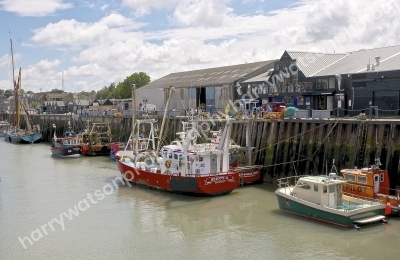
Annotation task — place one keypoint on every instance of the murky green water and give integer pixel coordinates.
(71, 209)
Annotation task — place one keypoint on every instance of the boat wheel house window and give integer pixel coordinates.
(325, 189)
(349, 177)
(316, 187)
(362, 179)
(200, 158)
(304, 185)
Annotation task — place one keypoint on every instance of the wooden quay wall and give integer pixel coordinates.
(284, 146)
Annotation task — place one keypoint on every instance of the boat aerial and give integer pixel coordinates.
(66, 146)
(372, 182)
(321, 198)
(197, 169)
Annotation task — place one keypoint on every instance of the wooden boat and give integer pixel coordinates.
(321, 198)
(372, 182)
(192, 169)
(96, 140)
(66, 146)
(14, 134)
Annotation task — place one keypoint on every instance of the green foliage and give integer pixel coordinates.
(56, 90)
(8, 93)
(139, 79)
(35, 104)
(123, 89)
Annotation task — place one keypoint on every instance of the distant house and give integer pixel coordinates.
(102, 104)
(54, 107)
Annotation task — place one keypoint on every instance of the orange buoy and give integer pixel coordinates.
(388, 209)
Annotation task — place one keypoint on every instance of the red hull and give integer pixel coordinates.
(212, 185)
(250, 176)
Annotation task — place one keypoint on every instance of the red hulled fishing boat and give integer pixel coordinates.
(191, 168)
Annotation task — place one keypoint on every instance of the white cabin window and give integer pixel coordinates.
(382, 177)
(325, 189)
(304, 185)
(316, 187)
(200, 158)
(176, 156)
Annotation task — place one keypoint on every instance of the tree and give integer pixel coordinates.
(105, 92)
(8, 93)
(56, 90)
(138, 78)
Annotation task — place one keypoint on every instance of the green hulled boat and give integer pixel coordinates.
(321, 198)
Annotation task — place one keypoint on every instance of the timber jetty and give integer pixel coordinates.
(285, 147)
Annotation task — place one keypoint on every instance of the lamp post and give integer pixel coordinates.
(40, 102)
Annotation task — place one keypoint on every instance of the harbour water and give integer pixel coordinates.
(53, 208)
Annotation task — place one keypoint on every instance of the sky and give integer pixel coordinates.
(88, 44)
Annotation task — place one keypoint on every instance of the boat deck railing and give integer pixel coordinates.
(289, 181)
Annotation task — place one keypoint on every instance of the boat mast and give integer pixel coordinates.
(133, 118)
(16, 85)
(160, 138)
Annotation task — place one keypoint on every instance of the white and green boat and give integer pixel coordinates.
(321, 198)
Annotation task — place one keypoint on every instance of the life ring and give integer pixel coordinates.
(168, 164)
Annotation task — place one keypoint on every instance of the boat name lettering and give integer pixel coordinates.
(248, 174)
(218, 179)
(356, 188)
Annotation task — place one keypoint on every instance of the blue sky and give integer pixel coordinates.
(95, 43)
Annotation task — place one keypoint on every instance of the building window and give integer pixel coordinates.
(322, 84)
(332, 83)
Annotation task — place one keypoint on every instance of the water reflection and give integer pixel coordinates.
(139, 223)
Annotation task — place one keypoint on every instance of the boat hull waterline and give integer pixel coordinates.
(67, 152)
(207, 185)
(311, 211)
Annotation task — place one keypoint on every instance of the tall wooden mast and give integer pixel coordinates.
(16, 84)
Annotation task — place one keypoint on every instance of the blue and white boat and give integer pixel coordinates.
(67, 146)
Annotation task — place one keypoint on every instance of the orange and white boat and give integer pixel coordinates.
(372, 182)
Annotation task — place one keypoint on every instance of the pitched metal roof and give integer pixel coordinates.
(263, 77)
(310, 63)
(208, 77)
(357, 61)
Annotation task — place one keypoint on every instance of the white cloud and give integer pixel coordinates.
(211, 35)
(34, 7)
(143, 7)
(208, 13)
(74, 33)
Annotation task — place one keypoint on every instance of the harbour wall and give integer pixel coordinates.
(285, 147)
